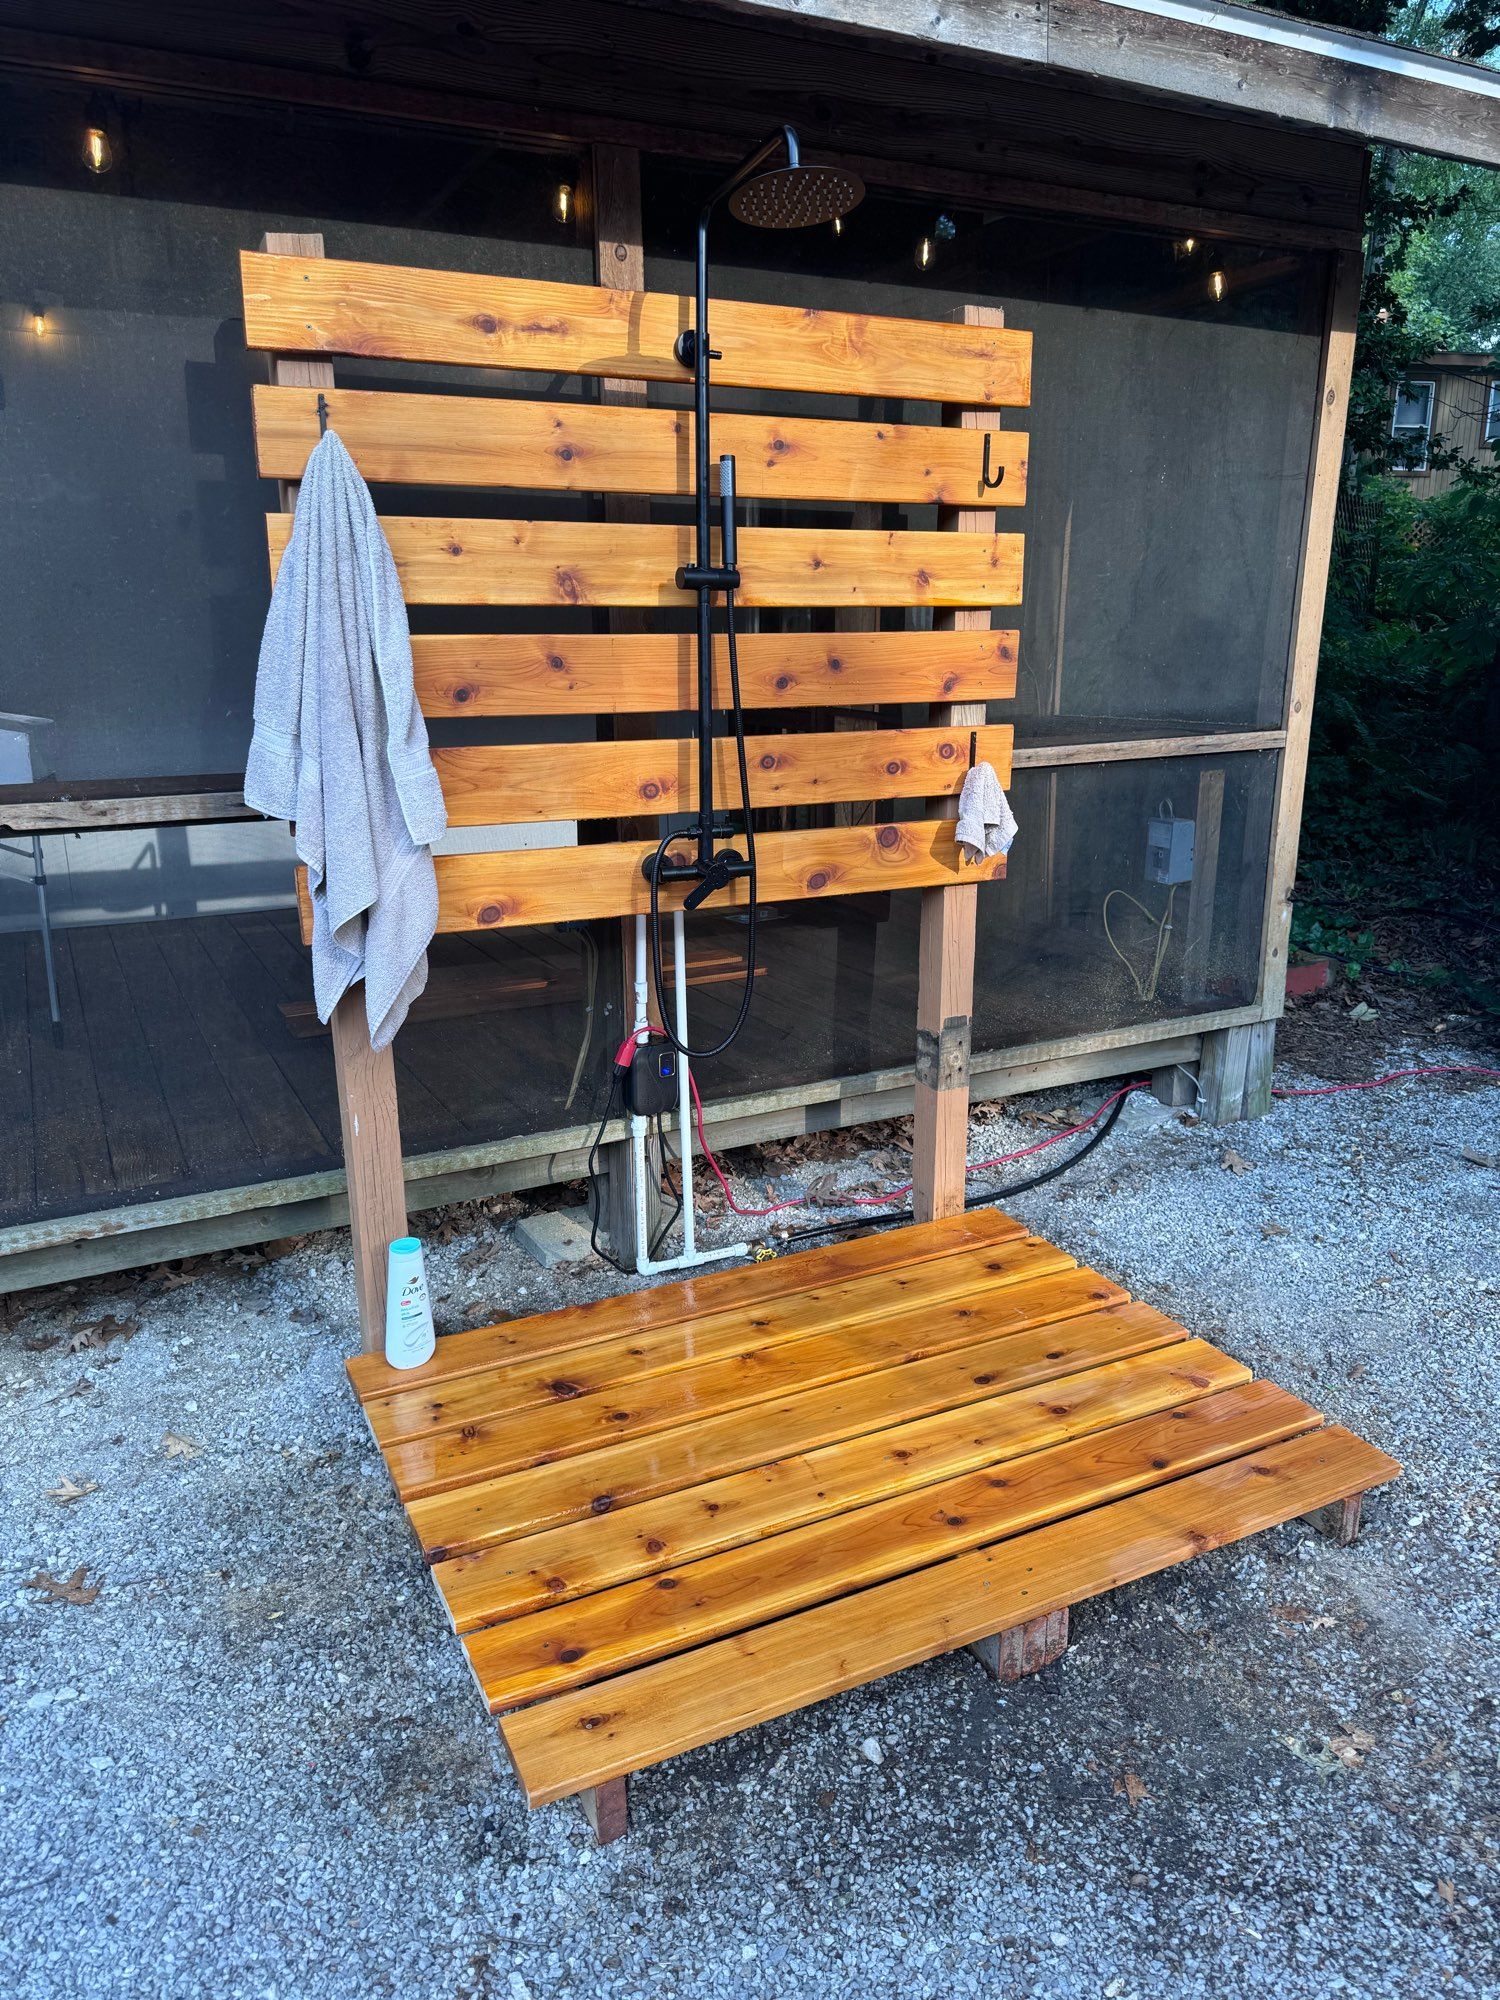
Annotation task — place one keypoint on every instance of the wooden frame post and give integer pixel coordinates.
(366, 1078)
(1021, 1650)
(945, 966)
(606, 1807)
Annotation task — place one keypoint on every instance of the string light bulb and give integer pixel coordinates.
(1218, 285)
(562, 202)
(838, 225)
(39, 323)
(924, 253)
(98, 154)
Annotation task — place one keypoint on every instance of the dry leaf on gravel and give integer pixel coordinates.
(1477, 1159)
(1298, 1614)
(1131, 1786)
(1351, 1746)
(1273, 1229)
(174, 1445)
(99, 1333)
(1234, 1163)
(68, 1489)
(74, 1589)
(1446, 1891)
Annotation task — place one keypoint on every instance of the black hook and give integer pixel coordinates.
(973, 738)
(322, 414)
(986, 481)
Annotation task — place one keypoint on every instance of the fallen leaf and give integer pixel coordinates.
(1351, 1747)
(1363, 1011)
(1131, 1786)
(84, 1386)
(1446, 1890)
(1298, 1614)
(99, 1332)
(68, 1489)
(1235, 1164)
(1477, 1159)
(1273, 1229)
(67, 1590)
(176, 1446)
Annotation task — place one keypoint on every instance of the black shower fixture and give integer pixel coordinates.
(791, 194)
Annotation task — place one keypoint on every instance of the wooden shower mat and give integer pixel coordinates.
(660, 1518)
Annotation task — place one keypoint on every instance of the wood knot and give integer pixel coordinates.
(835, 664)
(490, 914)
(784, 681)
(565, 453)
(601, 1503)
(571, 1653)
(463, 694)
(485, 323)
(816, 881)
(888, 837)
(650, 790)
(557, 1585)
(947, 751)
(666, 1583)
(768, 761)
(654, 1546)
(563, 1389)
(557, 663)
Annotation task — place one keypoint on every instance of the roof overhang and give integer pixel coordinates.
(1239, 61)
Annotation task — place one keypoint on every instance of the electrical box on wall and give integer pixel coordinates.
(1169, 851)
(651, 1080)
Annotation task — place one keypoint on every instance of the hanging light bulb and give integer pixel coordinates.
(1218, 285)
(924, 253)
(562, 202)
(1184, 247)
(838, 225)
(39, 323)
(98, 154)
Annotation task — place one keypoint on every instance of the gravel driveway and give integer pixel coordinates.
(253, 1764)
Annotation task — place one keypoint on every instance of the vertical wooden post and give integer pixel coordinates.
(1325, 470)
(366, 1080)
(1234, 1073)
(606, 1807)
(1339, 1521)
(1197, 932)
(620, 265)
(945, 966)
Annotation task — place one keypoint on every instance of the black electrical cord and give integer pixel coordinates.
(674, 1188)
(976, 1200)
(657, 968)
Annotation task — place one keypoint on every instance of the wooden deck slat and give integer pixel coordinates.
(502, 441)
(659, 1306)
(606, 563)
(333, 305)
(504, 784)
(502, 1508)
(594, 1554)
(653, 673)
(690, 1395)
(639, 1718)
(615, 1367)
(542, 1655)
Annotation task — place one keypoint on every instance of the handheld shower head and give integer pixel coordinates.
(796, 196)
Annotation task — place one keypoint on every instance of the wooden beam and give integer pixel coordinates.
(945, 951)
(1296, 73)
(366, 1077)
(1324, 473)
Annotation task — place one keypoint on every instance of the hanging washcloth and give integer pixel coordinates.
(986, 824)
(340, 747)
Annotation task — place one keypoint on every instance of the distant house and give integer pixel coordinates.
(1452, 400)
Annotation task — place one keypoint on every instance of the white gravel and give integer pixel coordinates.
(255, 1764)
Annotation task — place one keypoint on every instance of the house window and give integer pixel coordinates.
(1411, 424)
(1492, 416)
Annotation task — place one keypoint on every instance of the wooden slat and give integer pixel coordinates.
(502, 1509)
(568, 1427)
(506, 784)
(659, 1306)
(332, 306)
(965, 1283)
(600, 673)
(550, 1651)
(655, 1712)
(593, 1554)
(500, 441)
(550, 885)
(444, 561)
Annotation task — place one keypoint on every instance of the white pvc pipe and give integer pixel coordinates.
(684, 1086)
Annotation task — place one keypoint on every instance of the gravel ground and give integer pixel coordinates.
(254, 1764)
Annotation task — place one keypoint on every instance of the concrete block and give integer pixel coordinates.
(555, 1236)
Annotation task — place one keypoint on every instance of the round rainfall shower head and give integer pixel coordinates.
(796, 197)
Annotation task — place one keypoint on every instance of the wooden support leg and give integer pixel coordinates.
(1011, 1655)
(1234, 1073)
(372, 1158)
(1339, 1521)
(1176, 1086)
(606, 1808)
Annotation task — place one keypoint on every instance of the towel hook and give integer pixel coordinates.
(988, 480)
(322, 414)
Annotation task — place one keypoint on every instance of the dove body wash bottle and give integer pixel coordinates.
(409, 1336)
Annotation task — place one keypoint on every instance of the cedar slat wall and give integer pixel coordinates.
(962, 572)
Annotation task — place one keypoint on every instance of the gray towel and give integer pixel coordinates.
(986, 824)
(340, 747)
